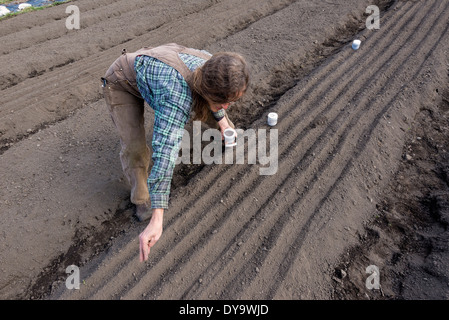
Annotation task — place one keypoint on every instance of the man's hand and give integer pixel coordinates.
(223, 124)
(151, 234)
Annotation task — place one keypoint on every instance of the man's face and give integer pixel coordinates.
(215, 107)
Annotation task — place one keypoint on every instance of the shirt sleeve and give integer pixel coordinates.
(165, 152)
(171, 115)
(220, 114)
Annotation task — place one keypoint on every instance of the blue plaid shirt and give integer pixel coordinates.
(166, 91)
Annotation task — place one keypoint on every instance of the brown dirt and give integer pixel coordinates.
(363, 155)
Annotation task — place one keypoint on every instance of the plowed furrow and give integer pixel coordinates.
(56, 51)
(302, 168)
(219, 226)
(53, 27)
(274, 233)
(298, 221)
(72, 82)
(37, 19)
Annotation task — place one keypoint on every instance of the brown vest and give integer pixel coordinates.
(168, 54)
(123, 68)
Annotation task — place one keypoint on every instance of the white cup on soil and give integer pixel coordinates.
(229, 136)
(272, 118)
(356, 44)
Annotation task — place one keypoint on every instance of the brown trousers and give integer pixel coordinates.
(126, 107)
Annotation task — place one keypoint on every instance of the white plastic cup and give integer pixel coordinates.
(272, 118)
(356, 44)
(230, 135)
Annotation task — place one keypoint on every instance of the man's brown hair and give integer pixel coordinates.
(220, 79)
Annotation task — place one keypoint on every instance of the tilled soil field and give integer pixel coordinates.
(363, 164)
